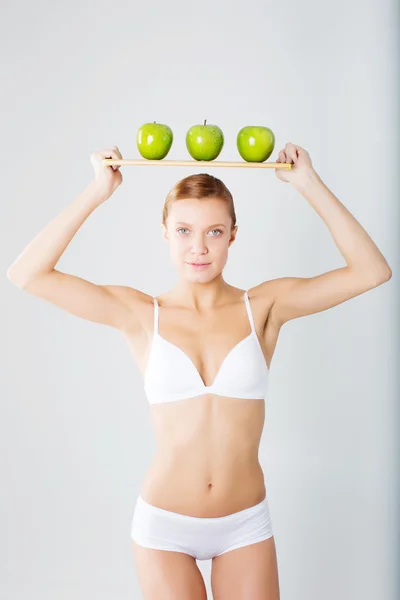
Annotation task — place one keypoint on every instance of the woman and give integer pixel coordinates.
(205, 350)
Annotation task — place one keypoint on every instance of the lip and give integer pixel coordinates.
(199, 265)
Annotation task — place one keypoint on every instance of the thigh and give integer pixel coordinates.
(168, 575)
(247, 572)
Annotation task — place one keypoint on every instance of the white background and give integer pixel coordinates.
(75, 431)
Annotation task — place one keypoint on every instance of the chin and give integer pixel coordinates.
(193, 275)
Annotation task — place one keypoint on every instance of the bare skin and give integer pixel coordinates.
(206, 463)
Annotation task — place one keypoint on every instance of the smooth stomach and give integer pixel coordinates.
(206, 463)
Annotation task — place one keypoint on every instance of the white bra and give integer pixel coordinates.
(171, 375)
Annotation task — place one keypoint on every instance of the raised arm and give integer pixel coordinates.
(34, 269)
(366, 267)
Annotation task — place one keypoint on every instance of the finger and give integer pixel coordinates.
(291, 151)
(118, 154)
(300, 151)
(104, 153)
(114, 153)
(282, 157)
(107, 153)
(117, 151)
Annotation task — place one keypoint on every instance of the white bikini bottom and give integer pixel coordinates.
(201, 537)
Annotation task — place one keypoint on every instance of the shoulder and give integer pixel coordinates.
(271, 288)
(268, 292)
(130, 295)
(139, 303)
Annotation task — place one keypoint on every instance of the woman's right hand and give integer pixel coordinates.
(109, 177)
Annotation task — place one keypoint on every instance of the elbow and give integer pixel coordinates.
(15, 279)
(10, 275)
(23, 280)
(387, 274)
(373, 277)
(383, 276)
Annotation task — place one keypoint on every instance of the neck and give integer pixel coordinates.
(201, 295)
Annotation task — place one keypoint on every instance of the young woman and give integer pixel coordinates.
(205, 350)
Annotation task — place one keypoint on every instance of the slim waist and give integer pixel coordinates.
(261, 506)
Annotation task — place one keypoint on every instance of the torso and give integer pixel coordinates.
(206, 463)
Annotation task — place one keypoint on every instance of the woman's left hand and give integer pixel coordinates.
(300, 161)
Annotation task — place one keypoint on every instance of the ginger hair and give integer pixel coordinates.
(199, 186)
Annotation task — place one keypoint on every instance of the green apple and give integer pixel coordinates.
(255, 143)
(154, 140)
(204, 142)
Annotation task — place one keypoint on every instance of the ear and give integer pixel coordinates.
(164, 231)
(233, 235)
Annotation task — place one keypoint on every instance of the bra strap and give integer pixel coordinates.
(249, 313)
(155, 330)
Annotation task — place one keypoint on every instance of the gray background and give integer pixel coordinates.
(75, 428)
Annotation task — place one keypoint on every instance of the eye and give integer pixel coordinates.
(186, 229)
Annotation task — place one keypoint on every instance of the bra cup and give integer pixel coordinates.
(171, 374)
(243, 370)
(170, 370)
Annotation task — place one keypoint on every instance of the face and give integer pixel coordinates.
(199, 231)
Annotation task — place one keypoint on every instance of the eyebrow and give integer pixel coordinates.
(215, 225)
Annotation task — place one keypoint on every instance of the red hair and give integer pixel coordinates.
(199, 186)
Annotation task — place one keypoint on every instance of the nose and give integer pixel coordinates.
(198, 245)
